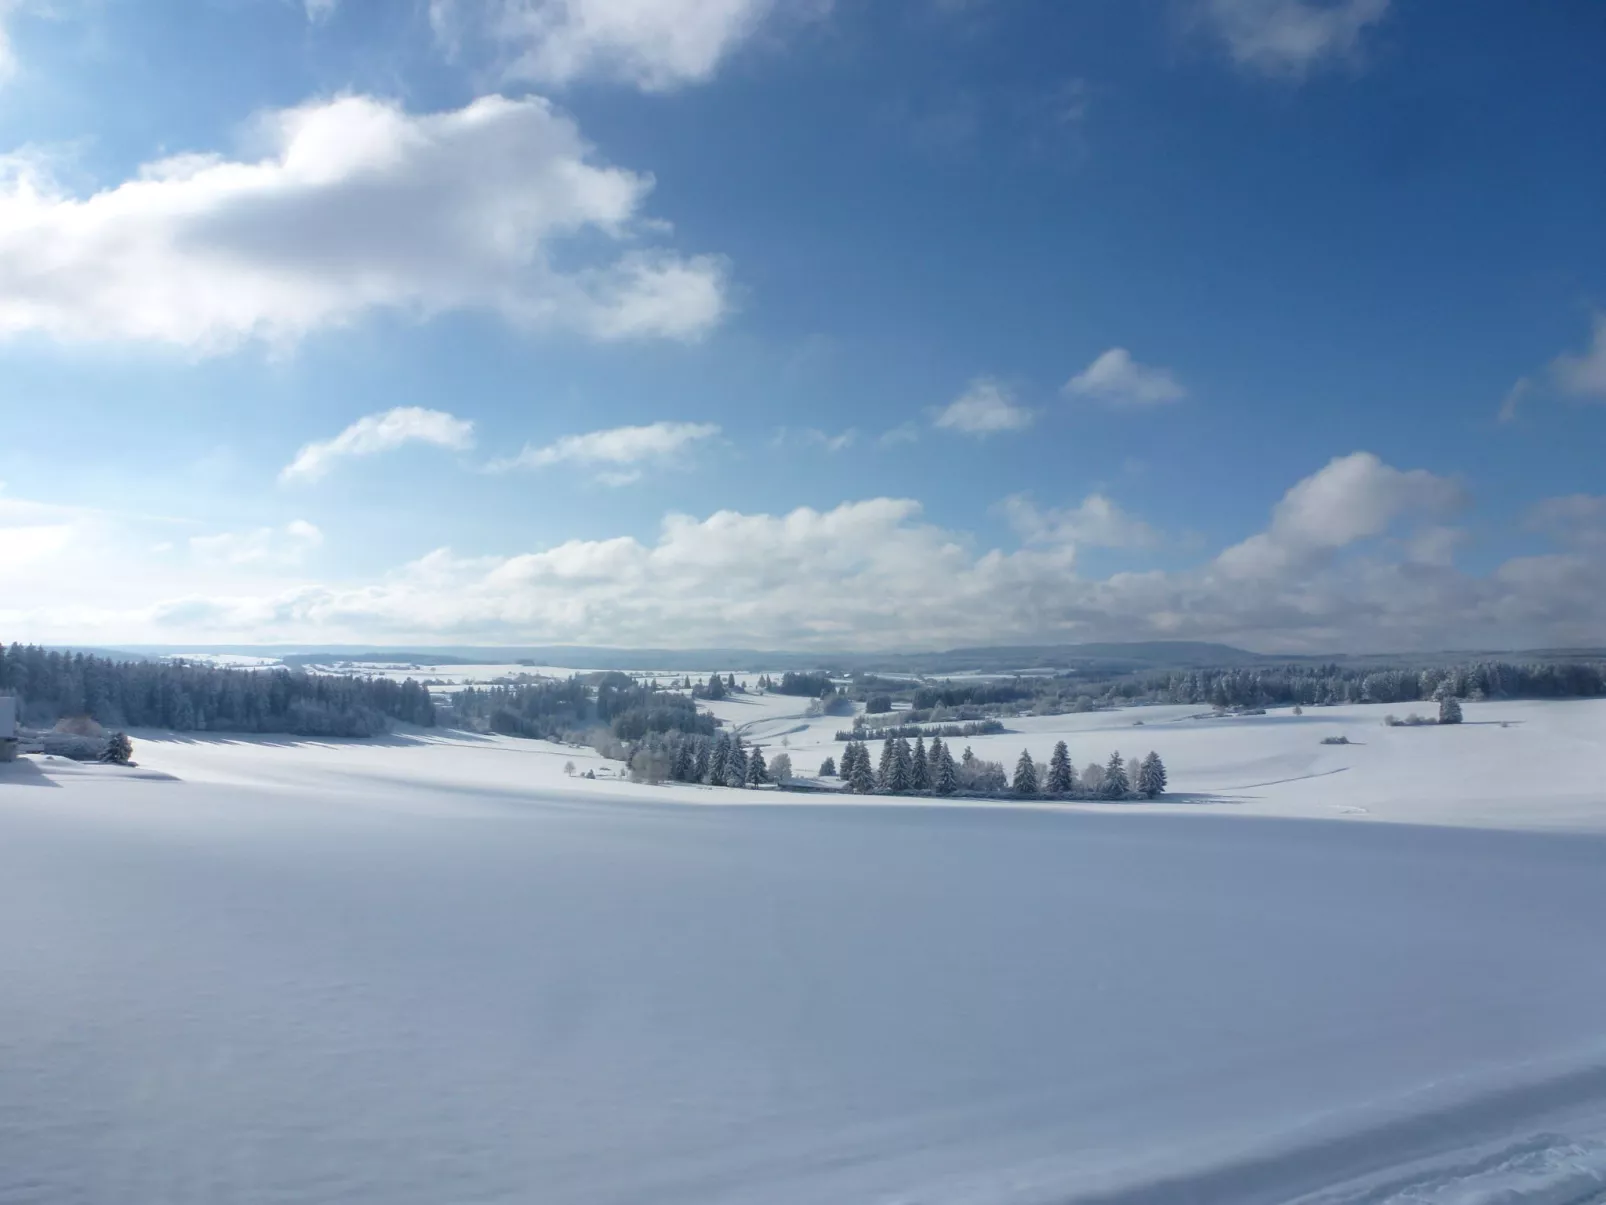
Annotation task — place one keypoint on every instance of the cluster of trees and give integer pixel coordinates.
(810, 686)
(721, 760)
(576, 708)
(905, 769)
(1317, 685)
(717, 687)
(863, 732)
(185, 697)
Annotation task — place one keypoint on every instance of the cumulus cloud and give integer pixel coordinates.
(1096, 522)
(1584, 375)
(1288, 38)
(1354, 497)
(617, 450)
(986, 408)
(654, 45)
(352, 205)
(286, 545)
(376, 433)
(1354, 557)
(1116, 379)
(1577, 519)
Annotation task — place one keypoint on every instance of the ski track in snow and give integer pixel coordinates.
(438, 969)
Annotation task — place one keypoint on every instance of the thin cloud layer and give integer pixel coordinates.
(1584, 375)
(618, 450)
(986, 408)
(353, 205)
(1289, 38)
(1116, 379)
(654, 45)
(375, 433)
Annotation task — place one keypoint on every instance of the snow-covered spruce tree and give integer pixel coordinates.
(119, 749)
(1025, 774)
(681, 768)
(699, 768)
(919, 768)
(1116, 785)
(719, 760)
(1151, 777)
(934, 760)
(1061, 774)
(901, 778)
(828, 767)
(883, 774)
(736, 766)
(1449, 709)
(946, 779)
(861, 778)
(757, 772)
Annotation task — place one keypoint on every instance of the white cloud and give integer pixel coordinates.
(353, 205)
(617, 449)
(319, 11)
(376, 433)
(1096, 522)
(1354, 497)
(814, 437)
(1585, 375)
(655, 45)
(282, 546)
(1353, 558)
(1288, 38)
(1116, 379)
(1577, 519)
(986, 408)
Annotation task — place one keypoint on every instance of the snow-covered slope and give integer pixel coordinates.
(440, 970)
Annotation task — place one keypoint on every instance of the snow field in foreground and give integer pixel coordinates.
(439, 970)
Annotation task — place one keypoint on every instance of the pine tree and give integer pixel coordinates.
(828, 767)
(1061, 775)
(720, 760)
(919, 768)
(946, 780)
(934, 760)
(119, 749)
(736, 766)
(883, 776)
(1151, 776)
(901, 776)
(1116, 785)
(1449, 709)
(861, 780)
(681, 769)
(757, 772)
(1025, 774)
(699, 769)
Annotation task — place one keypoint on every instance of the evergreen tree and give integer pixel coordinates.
(1449, 709)
(919, 768)
(883, 777)
(828, 767)
(119, 749)
(719, 761)
(1151, 776)
(1116, 785)
(946, 779)
(681, 768)
(934, 760)
(901, 777)
(699, 768)
(757, 772)
(1061, 774)
(861, 780)
(716, 687)
(968, 757)
(1025, 774)
(736, 766)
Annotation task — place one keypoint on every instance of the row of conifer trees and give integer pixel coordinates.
(905, 769)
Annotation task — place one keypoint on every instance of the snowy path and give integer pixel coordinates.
(345, 989)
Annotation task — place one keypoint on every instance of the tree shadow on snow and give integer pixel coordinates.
(25, 772)
(286, 740)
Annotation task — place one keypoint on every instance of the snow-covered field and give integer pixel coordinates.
(437, 969)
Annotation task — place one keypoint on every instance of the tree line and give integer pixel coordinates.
(918, 769)
(187, 697)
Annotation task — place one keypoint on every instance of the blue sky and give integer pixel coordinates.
(901, 324)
